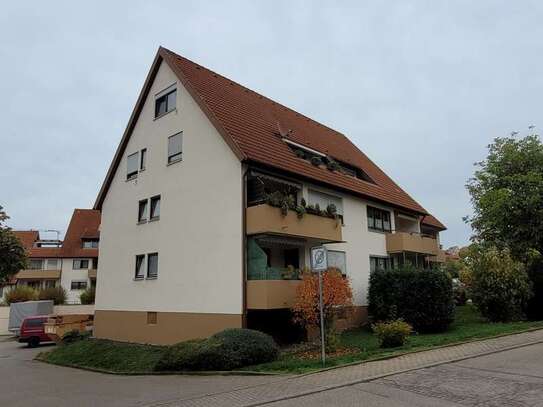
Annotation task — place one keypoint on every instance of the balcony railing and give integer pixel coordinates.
(38, 275)
(411, 242)
(92, 273)
(266, 219)
(271, 294)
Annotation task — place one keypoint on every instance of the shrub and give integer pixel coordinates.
(393, 333)
(21, 293)
(57, 294)
(74, 336)
(422, 298)
(226, 350)
(501, 287)
(87, 296)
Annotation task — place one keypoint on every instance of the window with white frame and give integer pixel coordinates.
(90, 244)
(132, 166)
(175, 147)
(378, 219)
(380, 263)
(152, 265)
(142, 210)
(165, 101)
(35, 264)
(155, 208)
(78, 285)
(139, 271)
(337, 259)
(80, 264)
(53, 264)
(143, 159)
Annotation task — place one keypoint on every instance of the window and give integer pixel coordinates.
(380, 263)
(132, 166)
(152, 265)
(35, 264)
(139, 272)
(323, 200)
(50, 283)
(143, 159)
(52, 264)
(80, 264)
(151, 318)
(78, 285)
(175, 143)
(338, 260)
(155, 207)
(34, 322)
(142, 211)
(378, 219)
(165, 101)
(90, 244)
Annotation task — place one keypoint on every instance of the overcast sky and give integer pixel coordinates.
(420, 86)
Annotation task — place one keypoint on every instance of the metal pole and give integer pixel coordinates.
(323, 352)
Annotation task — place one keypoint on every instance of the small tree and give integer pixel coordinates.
(88, 296)
(336, 294)
(500, 286)
(12, 252)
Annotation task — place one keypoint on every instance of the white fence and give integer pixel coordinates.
(59, 310)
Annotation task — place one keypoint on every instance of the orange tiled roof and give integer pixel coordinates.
(250, 124)
(84, 224)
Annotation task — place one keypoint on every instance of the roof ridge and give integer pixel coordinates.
(270, 100)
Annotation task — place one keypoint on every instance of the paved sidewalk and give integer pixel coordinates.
(298, 386)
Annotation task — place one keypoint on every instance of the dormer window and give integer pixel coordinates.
(90, 244)
(165, 101)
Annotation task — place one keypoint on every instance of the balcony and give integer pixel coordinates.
(92, 273)
(271, 294)
(411, 242)
(38, 275)
(266, 219)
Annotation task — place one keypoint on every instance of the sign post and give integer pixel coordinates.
(319, 263)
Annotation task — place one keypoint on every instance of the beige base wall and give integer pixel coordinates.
(170, 327)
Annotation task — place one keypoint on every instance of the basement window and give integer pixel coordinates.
(151, 318)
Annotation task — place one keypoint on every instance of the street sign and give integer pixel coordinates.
(319, 258)
(319, 263)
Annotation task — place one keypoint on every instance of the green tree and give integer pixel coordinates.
(12, 252)
(507, 196)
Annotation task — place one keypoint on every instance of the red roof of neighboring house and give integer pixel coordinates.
(84, 224)
(252, 124)
(434, 222)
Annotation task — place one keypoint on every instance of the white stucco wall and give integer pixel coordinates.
(361, 243)
(199, 234)
(69, 274)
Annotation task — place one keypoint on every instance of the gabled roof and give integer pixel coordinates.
(432, 221)
(84, 224)
(251, 125)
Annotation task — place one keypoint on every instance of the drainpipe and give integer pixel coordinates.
(244, 249)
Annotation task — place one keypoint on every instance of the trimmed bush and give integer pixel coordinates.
(57, 294)
(422, 298)
(501, 288)
(87, 296)
(21, 293)
(226, 350)
(393, 333)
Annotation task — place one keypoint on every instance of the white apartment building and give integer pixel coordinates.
(71, 263)
(193, 237)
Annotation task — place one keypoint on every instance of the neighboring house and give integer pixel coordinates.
(189, 245)
(71, 263)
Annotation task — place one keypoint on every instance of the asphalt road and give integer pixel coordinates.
(511, 378)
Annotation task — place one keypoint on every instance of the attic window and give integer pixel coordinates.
(165, 101)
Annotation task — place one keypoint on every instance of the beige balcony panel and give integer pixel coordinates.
(37, 275)
(269, 220)
(271, 294)
(92, 273)
(411, 242)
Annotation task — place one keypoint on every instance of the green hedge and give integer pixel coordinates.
(226, 350)
(422, 298)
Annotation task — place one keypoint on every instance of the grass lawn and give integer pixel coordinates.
(360, 344)
(355, 345)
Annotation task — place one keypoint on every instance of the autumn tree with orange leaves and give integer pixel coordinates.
(336, 294)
